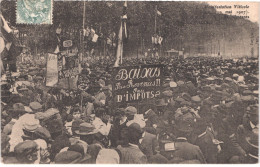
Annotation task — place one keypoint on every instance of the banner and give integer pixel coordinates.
(68, 70)
(133, 84)
(52, 70)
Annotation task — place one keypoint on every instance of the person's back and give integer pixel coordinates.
(131, 155)
(187, 151)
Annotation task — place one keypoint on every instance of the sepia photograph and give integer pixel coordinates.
(129, 82)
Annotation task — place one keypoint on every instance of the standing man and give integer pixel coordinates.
(131, 154)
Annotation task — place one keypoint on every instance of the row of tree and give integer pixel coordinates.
(194, 26)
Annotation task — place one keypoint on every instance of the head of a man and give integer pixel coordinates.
(26, 152)
(134, 133)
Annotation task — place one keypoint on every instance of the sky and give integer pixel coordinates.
(252, 11)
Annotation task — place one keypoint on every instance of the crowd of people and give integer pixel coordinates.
(207, 113)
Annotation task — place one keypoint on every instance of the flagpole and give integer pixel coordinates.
(83, 26)
(155, 19)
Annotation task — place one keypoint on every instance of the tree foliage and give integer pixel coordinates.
(194, 26)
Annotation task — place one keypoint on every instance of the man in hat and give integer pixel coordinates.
(26, 152)
(17, 130)
(245, 140)
(68, 157)
(5, 146)
(35, 106)
(131, 154)
(148, 143)
(183, 149)
(119, 124)
(86, 132)
(17, 111)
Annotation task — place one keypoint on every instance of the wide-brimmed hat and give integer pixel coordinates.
(31, 124)
(76, 124)
(86, 129)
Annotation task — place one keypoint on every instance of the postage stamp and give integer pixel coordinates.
(34, 12)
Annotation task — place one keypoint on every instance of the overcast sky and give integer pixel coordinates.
(252, 11)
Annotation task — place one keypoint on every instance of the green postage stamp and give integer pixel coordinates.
(34, 12)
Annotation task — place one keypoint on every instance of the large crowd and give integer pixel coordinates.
(207, 113)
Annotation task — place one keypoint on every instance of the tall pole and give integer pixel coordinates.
(83, 26)
(137, 43)
(155, 19)
(83, 49)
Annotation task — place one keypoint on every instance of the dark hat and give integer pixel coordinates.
(77, 148)
(18, 107)
(76, 124)
(68, 157)
(25, 148)
(186, 96)
(86, 129)
(54, 125)
(135, 127)
(43, 133)
(253, 109)
(184, 122)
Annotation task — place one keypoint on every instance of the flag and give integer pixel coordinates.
(119, 52)
(158, 13)
(122, 36)
(95, 38)
(124, 20)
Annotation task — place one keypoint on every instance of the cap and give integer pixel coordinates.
(130, 110)
(35, 105)
(67, 157)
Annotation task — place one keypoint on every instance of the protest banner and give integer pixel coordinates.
(68, 70)
(52, 70)
(137, 84)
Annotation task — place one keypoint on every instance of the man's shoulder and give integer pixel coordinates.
(187, 145)
(10, 160)
(149, 136)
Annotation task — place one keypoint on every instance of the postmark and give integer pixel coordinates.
(34, 12)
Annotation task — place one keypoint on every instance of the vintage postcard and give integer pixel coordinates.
(129, 82)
